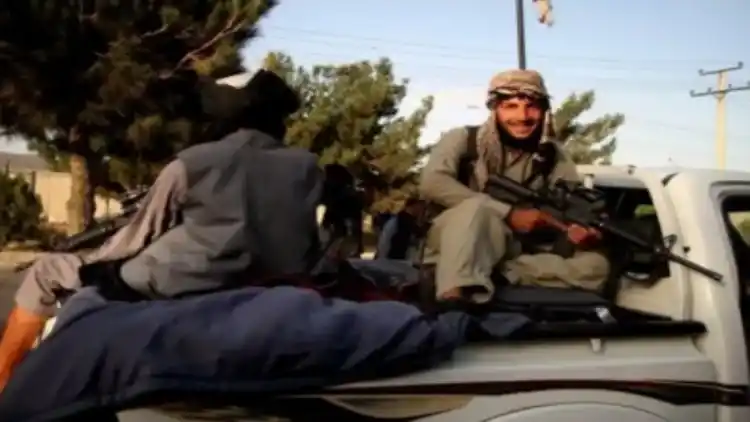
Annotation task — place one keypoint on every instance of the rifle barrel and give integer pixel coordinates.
(694, 266)
(588, 218)
(103, 229)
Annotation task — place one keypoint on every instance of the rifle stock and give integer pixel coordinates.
(571, 203)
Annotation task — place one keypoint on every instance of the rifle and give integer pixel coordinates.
(101, 231)
(571, 203)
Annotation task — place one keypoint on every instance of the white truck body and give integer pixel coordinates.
(579, 379)
(682, 378)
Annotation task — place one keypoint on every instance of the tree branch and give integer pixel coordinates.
(232, 27)
(150, 34)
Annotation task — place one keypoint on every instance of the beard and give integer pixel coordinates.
(528, 144)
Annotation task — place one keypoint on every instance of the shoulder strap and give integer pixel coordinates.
(466, 165)
(543, 163)
(471, 143)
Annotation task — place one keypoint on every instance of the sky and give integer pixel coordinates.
(640, 56)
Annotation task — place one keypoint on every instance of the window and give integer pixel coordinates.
(736, 214)
(632, 210)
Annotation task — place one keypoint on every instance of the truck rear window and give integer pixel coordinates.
(736, 213)
(633, 210)
(736, 210)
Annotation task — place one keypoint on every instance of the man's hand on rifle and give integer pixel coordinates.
(526, 220)
(582, 236)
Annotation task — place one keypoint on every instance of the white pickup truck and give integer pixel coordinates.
(691, 365)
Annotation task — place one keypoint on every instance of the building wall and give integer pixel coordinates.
(53, 189)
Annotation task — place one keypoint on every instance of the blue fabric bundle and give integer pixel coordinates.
(110, 355)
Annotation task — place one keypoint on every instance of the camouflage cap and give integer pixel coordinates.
(517, 81)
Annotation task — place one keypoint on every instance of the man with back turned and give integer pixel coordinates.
(221, 213)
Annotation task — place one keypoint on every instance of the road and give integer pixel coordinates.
(8, 284)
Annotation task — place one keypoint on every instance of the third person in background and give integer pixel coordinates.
(400, 236)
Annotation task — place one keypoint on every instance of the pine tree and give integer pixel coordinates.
(21, 215)
(590, 142)
(85, 80)
(351, 117)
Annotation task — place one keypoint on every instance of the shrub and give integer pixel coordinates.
(21, 212)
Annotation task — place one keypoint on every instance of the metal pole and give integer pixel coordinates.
(721, 125)
(520, 35)
(720, 93)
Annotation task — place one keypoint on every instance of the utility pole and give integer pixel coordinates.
(520, 35)
(544, 12)
(720, 93)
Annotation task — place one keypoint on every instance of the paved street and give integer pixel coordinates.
(8, 284)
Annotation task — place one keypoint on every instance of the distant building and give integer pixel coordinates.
(15, 162)
(53, 188)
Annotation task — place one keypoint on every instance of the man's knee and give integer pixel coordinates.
(474, 213)
(474, 221)
(471, 240)
(585, 270)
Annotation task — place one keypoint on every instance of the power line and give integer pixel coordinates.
(641, 63)
(720, 93)
(432, 81)
(355, 41)
(645, 83)
(668, 125)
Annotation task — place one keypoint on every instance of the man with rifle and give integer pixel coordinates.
(221, 213)
(476, 235)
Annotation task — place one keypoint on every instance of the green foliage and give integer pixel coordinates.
(644, 210)
(113, 174)
(591, 142)
(112, 78)
(20, 210)
(351, 117)
(121, 71)
(744, 229)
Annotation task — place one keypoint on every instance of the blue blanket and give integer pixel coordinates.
(113, 355)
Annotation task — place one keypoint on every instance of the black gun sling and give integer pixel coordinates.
(105, 276)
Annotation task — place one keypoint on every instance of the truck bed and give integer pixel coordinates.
(578, 341)
(572, 346)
